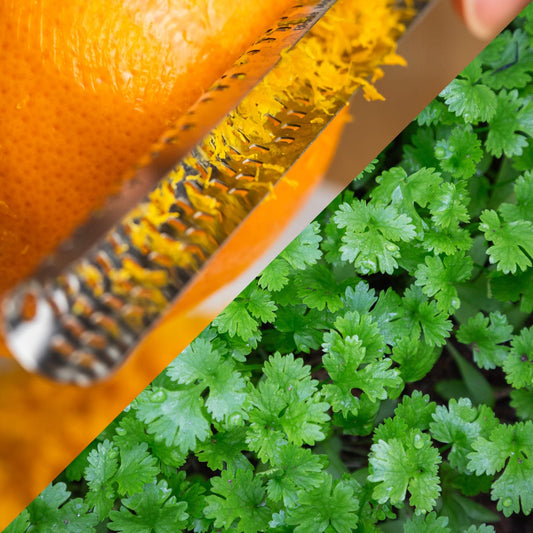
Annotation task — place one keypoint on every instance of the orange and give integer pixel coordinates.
(85, 88)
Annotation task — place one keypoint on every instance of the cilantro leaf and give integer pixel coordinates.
(416, 410)
(459, 425)
(415, 358)
(522, 402)
(293, 469)
(286, 407)
(473, 102)
(332, 507)
(137, 467)
(175, 417)
(512, 119)
(154, 510)
(102, 466)
(403, 192)
(51, 511)
(246, 313)
(439, 278)
(304, 250)
(317, 288)
(427, 524)
(407, 464)
(371, 234)
(514, 288)
(510, 61)
(236, 320)
(523, 210)
(302, 326)
(512, 241)
(355, 362)
(460, 153)
(518, 365)
(509, 447)
(202, 364)
(424, 316)
(225, 449)
(449, 206)
(483, 528)
(238, 500)
(487, 335)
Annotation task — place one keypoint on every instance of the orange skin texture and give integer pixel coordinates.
(86, 87)
(44, 426)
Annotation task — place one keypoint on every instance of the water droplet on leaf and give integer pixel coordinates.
(418, 441)
(159, 396)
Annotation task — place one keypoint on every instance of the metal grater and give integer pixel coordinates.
(78, 318)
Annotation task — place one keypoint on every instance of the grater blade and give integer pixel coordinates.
(77, 319)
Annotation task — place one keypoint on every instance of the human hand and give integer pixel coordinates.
(486, 18)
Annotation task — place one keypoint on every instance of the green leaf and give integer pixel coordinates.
(449, 206)
(513, 116)
(416, 410)
(487, 335)
(514, 288)
(518, 366)
(459, 154)
(293, 469)
(427, 524)
(371, 234)
(51, 511)
(459, 425)
(102, 466)
(246, 313)
(137, 467)
(438, 278)
(510, 59)
(523, 210)
(304, 250)
(471, 101)
(522, 402)
(175, 417)
(154, 510)
(424, 316)
(509, 447)
(237, 321)
(353, 360)
(317, 288)
(406, 192)
(512, 241)
(225, 450)
(285, 408)
(238, 500)
(302, 326)
(332, 507)
(415, 358)
(407, 464)
(202, 364)
(259, 303)
(275, 276)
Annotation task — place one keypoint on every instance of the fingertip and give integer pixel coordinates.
(486, 18)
